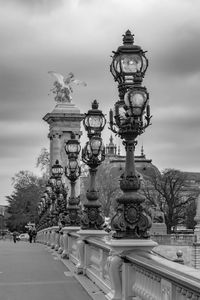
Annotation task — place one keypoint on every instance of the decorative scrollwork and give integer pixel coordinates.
(130, 221)
(92, 218)
(131, 214)
(73, 217)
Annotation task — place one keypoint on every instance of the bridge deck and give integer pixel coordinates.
(34, 272)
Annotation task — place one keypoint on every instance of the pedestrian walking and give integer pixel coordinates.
(32, 234)
(15, 236)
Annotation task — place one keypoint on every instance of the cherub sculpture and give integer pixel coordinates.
(62, 86)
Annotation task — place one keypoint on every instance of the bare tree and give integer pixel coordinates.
(168, 190)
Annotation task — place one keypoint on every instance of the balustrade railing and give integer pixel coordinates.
(139, 275)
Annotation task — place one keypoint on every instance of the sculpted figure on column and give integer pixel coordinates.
(62, 86)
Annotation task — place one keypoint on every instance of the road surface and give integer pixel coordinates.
(33, 272)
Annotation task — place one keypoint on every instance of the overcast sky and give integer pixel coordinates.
(79, 36)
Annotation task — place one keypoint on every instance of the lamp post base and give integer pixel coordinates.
(125, 246)
(119, 249)
(90, 232)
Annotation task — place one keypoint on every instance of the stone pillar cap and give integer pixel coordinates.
(66, 108)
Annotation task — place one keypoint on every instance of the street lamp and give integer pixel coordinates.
(94, 120)
(72, 172)
(93, 154)
(72, 147)
(57, 170)
(59, 193)
(130, 118)
(129, 64)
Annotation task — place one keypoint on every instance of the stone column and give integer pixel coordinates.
(64, 119)
(55, 146)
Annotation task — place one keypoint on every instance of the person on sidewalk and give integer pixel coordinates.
(15, 236)
(32, 234)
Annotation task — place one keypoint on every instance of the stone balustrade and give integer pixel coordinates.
(137, 275)
(72, 247)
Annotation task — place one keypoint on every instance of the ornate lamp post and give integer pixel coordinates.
(94, 121)
(48, 194)
(93, 154)
(130, 119)
(59, 202)
(57, 170)
(58, 193)
(72, 172)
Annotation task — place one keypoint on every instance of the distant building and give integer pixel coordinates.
(192, 181)
(144, 166)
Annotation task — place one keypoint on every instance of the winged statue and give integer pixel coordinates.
(62, 86)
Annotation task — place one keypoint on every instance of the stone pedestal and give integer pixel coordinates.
(119, 249)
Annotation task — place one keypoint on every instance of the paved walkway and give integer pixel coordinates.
(33, 272)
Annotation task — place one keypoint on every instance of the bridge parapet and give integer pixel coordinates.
(139, 275)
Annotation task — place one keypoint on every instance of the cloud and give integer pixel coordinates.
(79, 36)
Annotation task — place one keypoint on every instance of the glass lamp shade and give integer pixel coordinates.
(128, 61)
(72, 146)
(94, 120)
(73, 170)
(96, 145)
(57, 170)
(136, 101)
(73, 165)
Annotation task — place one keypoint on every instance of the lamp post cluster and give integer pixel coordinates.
(130, 118)
(54, 208)
(51, 208)
(72, 172)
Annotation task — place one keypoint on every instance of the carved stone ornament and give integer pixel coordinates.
(130, 221)
(131, 213)
(73, 217)
(92, 218)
